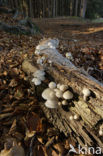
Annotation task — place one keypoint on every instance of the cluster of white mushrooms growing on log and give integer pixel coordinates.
(55, 93)
(38, 77)
(45, 44)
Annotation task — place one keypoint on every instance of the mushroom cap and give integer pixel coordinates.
(40, 61)
(63, 87)
(67, 95)
(56, 89)
(42, 78)
(64, 102)
(49, 94)
(86, 92)
(71, 117)
(52, 85)
(39, 73)
(41, 47)
(59, 103)
(43, 58)
(58, 85)
(38, 47)
(59, 93)
(37, 52)
(100, 132)
(51, 103)
(49, 61)
(76, 117)
(36, 81)
(68, 55)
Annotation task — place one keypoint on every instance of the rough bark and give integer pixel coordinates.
(85, 130)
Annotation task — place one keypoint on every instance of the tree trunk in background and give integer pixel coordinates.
(53, 8)
(76, 8)
(25, 8)
(83, 8)
(31, 8)
(71, 7)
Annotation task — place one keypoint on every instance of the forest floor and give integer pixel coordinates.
(20, 114)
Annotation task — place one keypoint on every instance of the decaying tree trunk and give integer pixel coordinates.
(85, 130)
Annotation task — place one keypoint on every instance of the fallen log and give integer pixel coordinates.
(25, 27)
(85, 130)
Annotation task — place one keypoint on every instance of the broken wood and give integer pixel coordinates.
(85, 131)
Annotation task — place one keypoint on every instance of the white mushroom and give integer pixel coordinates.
(71, 117)
(58, 85)
(51, 103)
(100, 132)
(69, 56)
(39, 73)
(40, 61)
(38, 47)
(76, 117)
(67, 95)
(56, 89)
(52, 85)
(59, 94)
(49, 94)
(36, 81)
(63, 87)
(52, 95)
(43, 58)
(49, 61)
(59, 103)
(52, 47)
(37, 52)
(86, 93)
(42, 78)
(64, 102)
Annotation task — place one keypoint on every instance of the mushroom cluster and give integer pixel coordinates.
(46, 44)
(38, 77)
(56, 94)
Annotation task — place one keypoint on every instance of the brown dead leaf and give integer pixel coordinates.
(34, 123)
(18, 94)
(13, 83)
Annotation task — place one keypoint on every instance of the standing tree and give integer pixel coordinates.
(83, 8)
(76, 8)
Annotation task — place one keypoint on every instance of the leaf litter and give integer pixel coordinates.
(23, 124)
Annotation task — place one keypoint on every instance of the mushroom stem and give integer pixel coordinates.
(85, 98)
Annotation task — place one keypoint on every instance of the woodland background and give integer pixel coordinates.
(54, 8)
